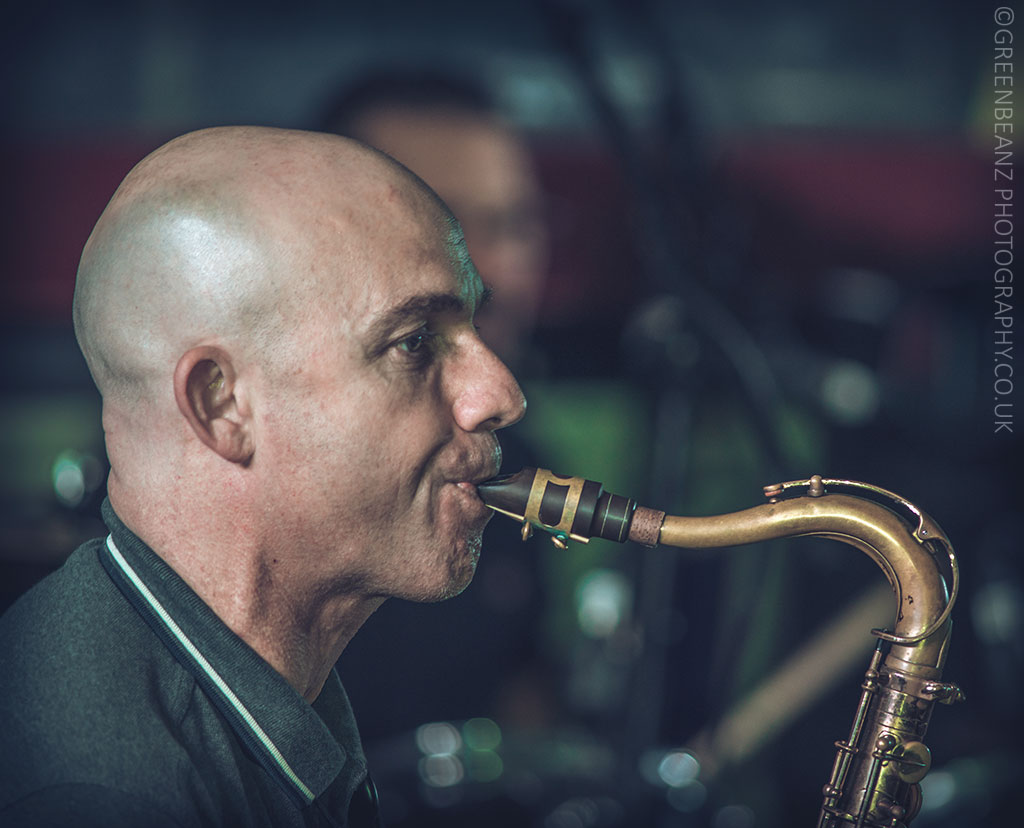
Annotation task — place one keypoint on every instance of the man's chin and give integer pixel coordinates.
(463, 567)
(448, 559)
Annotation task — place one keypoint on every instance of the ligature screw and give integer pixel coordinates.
(526, 532)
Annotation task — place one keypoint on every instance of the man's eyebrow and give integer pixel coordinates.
(415, 308)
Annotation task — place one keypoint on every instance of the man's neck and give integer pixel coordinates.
(299, 636)
(299, 629)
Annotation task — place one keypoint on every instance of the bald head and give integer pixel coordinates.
(209, 239)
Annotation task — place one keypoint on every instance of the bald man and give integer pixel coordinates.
(297, 408)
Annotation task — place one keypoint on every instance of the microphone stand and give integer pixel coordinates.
(673, 261)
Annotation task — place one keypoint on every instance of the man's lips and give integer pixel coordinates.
(480, 464)
(468, 478)
(470, 489)
(471, 500)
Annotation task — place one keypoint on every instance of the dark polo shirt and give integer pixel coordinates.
(125, 701)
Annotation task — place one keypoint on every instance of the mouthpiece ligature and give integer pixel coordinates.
(569, 508)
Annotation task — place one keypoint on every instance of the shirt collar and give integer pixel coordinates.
(291, 738)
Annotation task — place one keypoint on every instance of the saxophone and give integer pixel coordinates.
(877, 770)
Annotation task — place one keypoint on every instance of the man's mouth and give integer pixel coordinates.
(470, 486)
(472, 504)
(476, 468)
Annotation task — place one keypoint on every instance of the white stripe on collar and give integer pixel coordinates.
(207, 668)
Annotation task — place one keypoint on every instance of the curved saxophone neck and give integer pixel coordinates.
(903, 541)
(907, 545)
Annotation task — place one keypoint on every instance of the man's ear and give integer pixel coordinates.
(208, 396)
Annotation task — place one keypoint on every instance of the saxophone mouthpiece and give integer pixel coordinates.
(569, 508)
(508, 493)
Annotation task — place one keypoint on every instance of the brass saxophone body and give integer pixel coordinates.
(875, 776)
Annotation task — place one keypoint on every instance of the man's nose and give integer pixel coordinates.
(487, 396)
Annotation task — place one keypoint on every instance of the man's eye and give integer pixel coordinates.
(414, 343)
(419, 346)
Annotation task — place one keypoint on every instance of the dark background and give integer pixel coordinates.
(823, 173)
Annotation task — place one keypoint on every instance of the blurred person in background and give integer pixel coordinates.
(446, 129)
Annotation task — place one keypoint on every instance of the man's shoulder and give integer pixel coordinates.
(73, 621)
(87, 691)
(81, 573)
(86, 806)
